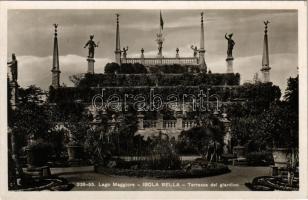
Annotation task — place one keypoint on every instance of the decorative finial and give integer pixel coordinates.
(118, 15)
(266, 23)
(56, 26)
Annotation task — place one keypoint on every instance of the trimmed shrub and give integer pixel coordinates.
(38, 154)
(259, 158)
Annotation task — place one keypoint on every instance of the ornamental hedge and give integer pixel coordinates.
(185, 79)
(257, 95)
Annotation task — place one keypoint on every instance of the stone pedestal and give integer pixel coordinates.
(230, 64)
(13, 100)
(140, 121)
(91, 62)
(239, 151)
(266, 75)
(179, 121)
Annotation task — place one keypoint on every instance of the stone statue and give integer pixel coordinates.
(231, 44)
(125, 52)
(13, 67)
(177, 55)
(92, 46)
(195, 49)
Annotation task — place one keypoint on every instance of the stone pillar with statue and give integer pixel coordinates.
(230, 58)
(91, 45)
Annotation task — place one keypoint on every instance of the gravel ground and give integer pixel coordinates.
(233, 181)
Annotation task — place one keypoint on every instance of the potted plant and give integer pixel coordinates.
(76, 136)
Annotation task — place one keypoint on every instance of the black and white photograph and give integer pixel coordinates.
(154, 99)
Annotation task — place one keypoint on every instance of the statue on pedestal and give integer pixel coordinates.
(231, 44)
(125, 52)
(195, 49)
(92, 46)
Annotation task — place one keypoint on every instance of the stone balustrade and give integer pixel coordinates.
(168, 124)
(149, 123)
(162, 61)
(187, 124)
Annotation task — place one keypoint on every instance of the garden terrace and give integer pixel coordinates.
(186, 79)
(261, 94)
(69, 94)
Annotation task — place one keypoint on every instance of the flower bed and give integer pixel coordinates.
(209, 171)
(40, 184)
(271, 183)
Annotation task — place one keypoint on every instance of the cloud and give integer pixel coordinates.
(36, 70)
(30, 32)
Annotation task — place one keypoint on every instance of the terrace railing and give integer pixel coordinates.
(162, 61)
(168, 124)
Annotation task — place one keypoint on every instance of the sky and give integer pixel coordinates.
(30, 37)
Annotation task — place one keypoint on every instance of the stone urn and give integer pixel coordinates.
(282, 157)
(239, 151)
(75, 153)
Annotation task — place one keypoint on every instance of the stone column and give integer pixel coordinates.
(179, 121)
(160, 122)
(140, 121)
(227, 136)
(142, 56)
(91, 62)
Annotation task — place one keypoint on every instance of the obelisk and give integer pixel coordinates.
(117, 51)
(202, 63)
(55, 83)
(265, 57)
